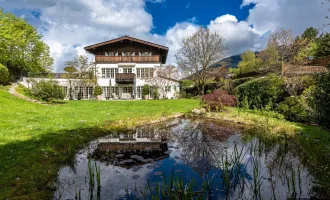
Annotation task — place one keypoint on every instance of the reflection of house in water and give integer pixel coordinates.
(128, 150)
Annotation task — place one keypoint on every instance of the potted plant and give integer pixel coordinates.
(98, 92)
(145, 91)
(80, 94)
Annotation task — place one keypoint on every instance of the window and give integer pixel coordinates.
(128, 53)
(127, 90)
(144, 73)
(145, 53)
(151, 92)
(106, 92)
(139, 92)
(111, 53)
(109, 73)
(65, 91)
(168, 89)
(109, 91)
(88, 92)
(113, 73)
(114, 90)
(138, 73)
(103, 73)
(127, 70)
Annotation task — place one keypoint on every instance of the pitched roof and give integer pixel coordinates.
(126, 38)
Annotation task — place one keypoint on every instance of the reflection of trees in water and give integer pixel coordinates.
(198, 145)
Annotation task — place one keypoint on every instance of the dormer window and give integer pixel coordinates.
(144, 53)
(111, 53)
(128, 53)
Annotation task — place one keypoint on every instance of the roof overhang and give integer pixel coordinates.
(163, 49)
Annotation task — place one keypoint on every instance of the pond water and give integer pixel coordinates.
(190, 157)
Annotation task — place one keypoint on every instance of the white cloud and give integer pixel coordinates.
(156, 1)
(70, 25)
(297, 15)
(238, 35)
(175, 35)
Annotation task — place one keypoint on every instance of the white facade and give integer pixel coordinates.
(123, 66)
(106, 79)
(111, 89)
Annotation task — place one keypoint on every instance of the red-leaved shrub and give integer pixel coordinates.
(218, 99)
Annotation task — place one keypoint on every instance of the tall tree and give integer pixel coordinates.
(283, 40)
(21, 47)
(249, 62)
(323, 46)
(310, 33)
(85, 69)
(85, 74)
(198, 53)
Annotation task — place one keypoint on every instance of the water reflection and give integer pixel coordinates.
(203, 158)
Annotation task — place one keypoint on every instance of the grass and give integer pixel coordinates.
(37, 139)
(313, 142)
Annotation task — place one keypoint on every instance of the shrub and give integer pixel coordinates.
(262, 92)
(218, 99)
(21, 89)
(293, 110)
(4, 75)
(156, 93)
(295, 86)
(240, 81)
(318, 99)
(145, 90)
(97, 90)
(47, 91)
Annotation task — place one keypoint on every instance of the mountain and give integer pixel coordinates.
(232, 62)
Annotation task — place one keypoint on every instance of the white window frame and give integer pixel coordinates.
(127, 70)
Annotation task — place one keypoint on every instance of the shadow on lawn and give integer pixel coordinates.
(29, 168)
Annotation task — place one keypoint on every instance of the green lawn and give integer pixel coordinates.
(36, 139)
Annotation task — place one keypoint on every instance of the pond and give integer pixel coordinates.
(195, 158)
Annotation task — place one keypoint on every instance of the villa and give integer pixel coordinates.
(123, 66)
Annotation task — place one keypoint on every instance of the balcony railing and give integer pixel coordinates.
(135, 59)
(125, 78)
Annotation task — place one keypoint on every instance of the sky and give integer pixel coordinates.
(67, 26)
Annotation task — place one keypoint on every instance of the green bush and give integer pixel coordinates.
(47, 91)
(145, 90)
(293, 110)
(240, 81)
(156, 93)
(98, 90)
(21, 89)
(318, 99)
(4, 75)
(295, 86)
(263, 92)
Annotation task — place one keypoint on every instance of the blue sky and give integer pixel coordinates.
(67, 26)
(168, 13)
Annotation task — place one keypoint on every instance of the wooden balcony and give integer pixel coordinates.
(125, 78)
(133, 59)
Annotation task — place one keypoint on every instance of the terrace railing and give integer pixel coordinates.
(134, 59)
